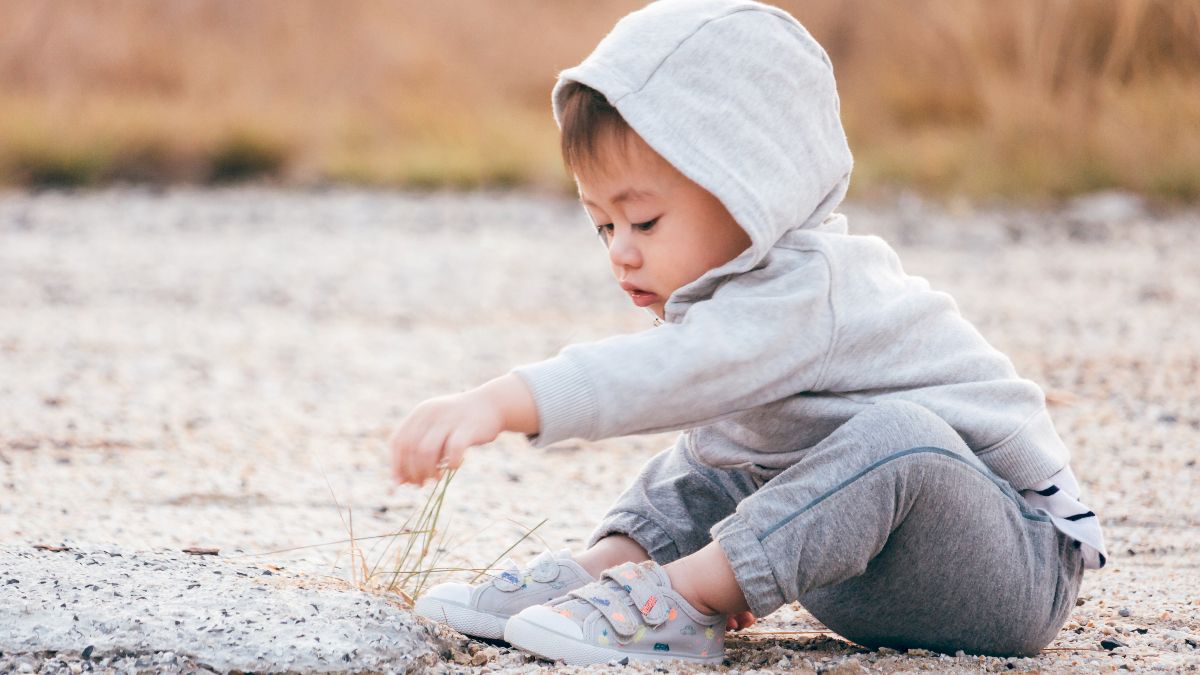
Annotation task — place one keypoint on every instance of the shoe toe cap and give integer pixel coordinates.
(459, 594)
(544, 617)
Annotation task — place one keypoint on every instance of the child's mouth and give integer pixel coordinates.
(643, 298)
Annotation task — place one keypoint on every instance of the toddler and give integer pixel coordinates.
(850, 442)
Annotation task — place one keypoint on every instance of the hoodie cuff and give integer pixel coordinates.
(1033, 453)
(566, 402)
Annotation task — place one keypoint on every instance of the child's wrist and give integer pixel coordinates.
(509, 395)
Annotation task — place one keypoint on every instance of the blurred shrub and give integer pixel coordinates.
(245, 154)
(45, 163)
(1023, 98)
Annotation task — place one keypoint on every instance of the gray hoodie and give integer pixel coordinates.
(763, 357)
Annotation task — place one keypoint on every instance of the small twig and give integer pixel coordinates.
(196, 550)
(328, 543)
(771, 633)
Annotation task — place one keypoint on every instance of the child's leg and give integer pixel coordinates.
(610, 552)
(667, 511)
(892, 533)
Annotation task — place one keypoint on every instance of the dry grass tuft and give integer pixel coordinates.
(419, 546)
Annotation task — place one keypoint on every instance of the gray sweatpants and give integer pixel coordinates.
(890, 531)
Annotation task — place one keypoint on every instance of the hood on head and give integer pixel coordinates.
(739, 98)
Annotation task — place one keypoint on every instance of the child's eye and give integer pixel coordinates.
(642, 226)
(603, 230)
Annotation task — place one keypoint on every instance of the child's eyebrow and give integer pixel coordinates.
(626, 195)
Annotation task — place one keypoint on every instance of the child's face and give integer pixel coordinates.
(666, 233)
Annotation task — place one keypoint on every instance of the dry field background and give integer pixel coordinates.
(1026, 98)
(200, 368)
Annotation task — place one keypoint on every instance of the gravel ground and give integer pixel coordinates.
(197, 368)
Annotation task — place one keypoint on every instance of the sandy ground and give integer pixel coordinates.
(200, 368)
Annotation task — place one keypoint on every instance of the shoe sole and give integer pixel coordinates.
(462, 619)
(555, 646)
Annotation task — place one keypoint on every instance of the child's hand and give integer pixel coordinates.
(437, 433)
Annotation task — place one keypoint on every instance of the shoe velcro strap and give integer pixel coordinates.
(611, 604)
(544, 568)
(510, 579)
(646, 594)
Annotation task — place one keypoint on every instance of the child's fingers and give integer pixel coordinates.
(402, 458)
(455, 449)
(402, 450)
(422, 462)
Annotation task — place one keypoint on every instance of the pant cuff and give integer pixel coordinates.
(750, 565)
(645, 532)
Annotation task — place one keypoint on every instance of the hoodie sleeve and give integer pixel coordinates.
(762, 336)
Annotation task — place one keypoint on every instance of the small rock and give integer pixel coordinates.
(1112, 643)
(847, 667)
(1125, 611)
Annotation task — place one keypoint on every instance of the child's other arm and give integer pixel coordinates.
(438, 431)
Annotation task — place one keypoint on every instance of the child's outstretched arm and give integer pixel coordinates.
(437, 433)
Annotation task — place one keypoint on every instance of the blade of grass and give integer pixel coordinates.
(383, 554)
(428, 510)
(439, 551)
(505, 552)
(429, 536)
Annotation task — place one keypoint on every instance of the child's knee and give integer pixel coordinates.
(895, 425)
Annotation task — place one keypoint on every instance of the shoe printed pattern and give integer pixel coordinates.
(483, 609)
(631, 612)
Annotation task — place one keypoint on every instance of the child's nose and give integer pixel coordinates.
(623, 250)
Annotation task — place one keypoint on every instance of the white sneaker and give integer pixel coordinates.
(483, 609)
(631, 614)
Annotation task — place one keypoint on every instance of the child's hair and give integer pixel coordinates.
(586, 119)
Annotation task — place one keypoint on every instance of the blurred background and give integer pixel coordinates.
(1025, 99)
